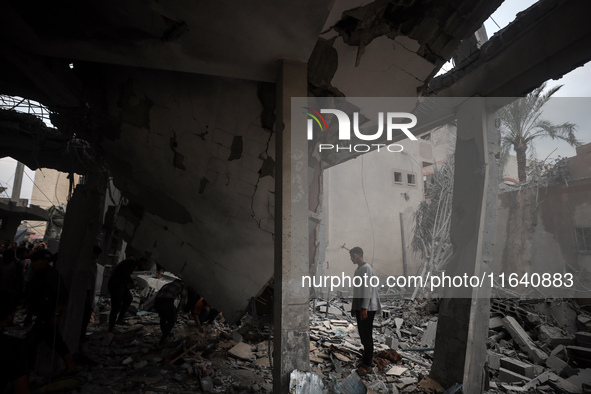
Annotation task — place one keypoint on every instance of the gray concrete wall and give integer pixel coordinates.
(189, 151)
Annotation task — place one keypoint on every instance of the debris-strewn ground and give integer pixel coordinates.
(541, 346)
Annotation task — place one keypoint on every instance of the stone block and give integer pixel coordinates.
(508, 376)
(560, 385)
(494, 360)
(518, 366)
(392, 342)
(556, 364)
(428, 339)
(559, 351)
(396, 370)
(523, 340)
(242, 351)
(553, 337)
(495, 323)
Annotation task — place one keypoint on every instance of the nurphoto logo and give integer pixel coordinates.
(394, 121)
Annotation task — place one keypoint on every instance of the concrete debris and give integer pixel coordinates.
(523, 340)
(242, 351)
(305, 383)
(238, 359)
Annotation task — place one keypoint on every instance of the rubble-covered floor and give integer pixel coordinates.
(534, 346)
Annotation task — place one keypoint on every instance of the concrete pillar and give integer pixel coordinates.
(460, 347)
(82, 223)
(291, 337)
(18, 182)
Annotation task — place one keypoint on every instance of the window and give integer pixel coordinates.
(583, 238)
(411, 179)
(397, 177)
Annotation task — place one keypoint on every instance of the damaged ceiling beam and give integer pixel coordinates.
(27, 139)
(509, 65)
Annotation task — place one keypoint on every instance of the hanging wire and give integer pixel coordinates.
(51, 202)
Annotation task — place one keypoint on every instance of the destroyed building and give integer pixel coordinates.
(185, 107)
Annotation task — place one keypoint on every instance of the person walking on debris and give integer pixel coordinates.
(48, 297)
(164, 305)
(119, 284)
(366, 303)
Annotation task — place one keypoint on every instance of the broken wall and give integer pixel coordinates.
(194, 156)
(536, 229)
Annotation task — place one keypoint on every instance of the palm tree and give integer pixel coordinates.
(521, 125)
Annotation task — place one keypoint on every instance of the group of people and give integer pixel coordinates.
(172, 298)
(29, 279)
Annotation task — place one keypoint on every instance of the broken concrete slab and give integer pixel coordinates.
(242, 351)
(562, 386)
(392, 342)
(553, 336)
(523, 340)
(556, 365)
(428, 339)
(508, 376)
(494, 360)
(518, 366)
(396, 371)
(495, 323)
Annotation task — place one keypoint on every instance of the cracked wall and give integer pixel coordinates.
(194, 154)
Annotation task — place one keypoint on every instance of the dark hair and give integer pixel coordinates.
(96, 250)
(356, 250)
(21, 251)
(42, 254)
(8, 255)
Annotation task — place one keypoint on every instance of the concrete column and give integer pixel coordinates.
(460, 346)
(18, 182)
(82, 223)
(291, 337)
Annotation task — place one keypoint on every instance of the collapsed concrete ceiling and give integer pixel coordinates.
(178, 97)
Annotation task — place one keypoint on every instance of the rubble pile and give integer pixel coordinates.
(408, 327)
(194, 360)
(541, 346)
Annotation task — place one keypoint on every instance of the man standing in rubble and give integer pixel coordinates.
(164, 305)
(119, 284)
(365, 305)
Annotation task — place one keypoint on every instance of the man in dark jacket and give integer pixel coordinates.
(119, 284)
(164, 305)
